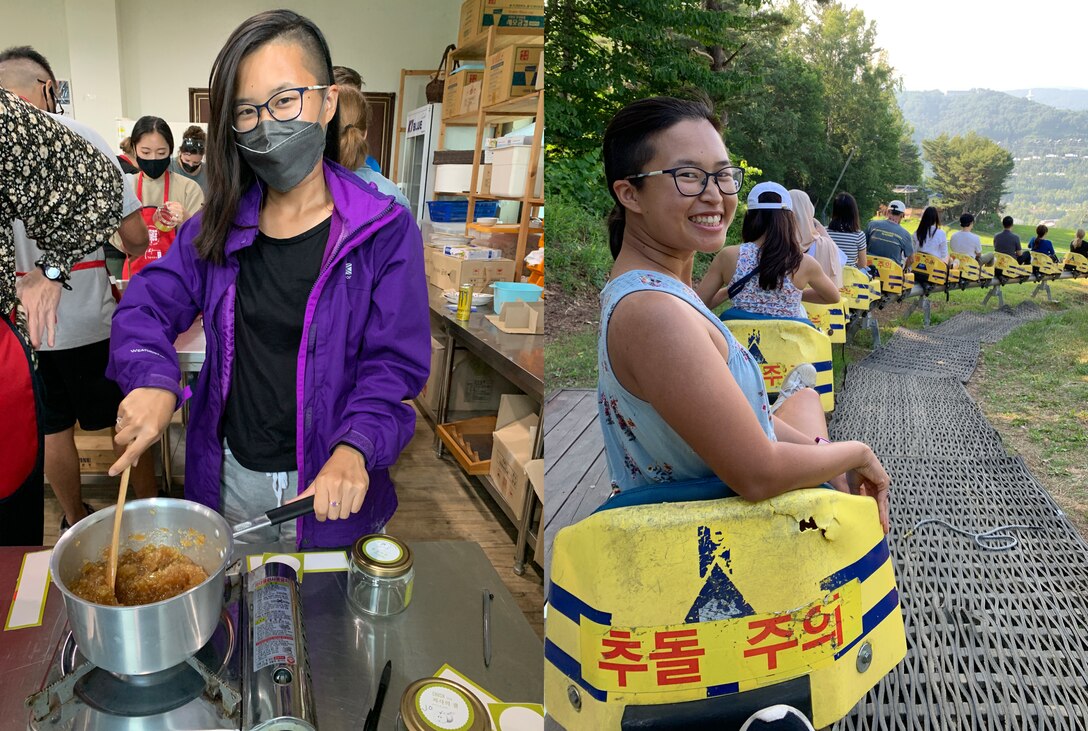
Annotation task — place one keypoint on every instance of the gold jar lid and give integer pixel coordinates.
(383, 556)
(435, 704)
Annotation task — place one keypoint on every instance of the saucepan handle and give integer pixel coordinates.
(290, 511)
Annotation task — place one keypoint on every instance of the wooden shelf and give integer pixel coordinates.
(525, 106)
(520, 199)
(529, 106)
(504, 38)
(463, 120)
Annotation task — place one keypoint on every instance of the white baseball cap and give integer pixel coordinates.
(897, 207)
(754, 204)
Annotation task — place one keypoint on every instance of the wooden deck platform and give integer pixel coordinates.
(575, 471)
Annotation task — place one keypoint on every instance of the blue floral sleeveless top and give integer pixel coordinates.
(783, 302)
(640, 447)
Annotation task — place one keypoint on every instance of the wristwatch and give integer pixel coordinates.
(54, 274)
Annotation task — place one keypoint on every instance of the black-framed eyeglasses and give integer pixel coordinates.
(283, 106)
(691, 181)
(57, 108)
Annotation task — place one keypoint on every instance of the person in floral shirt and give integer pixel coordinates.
(68, 195)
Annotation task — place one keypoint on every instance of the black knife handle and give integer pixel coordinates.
(291, 510)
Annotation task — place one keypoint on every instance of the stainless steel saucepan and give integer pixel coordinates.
(152, 637)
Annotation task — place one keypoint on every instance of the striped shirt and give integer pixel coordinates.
(850, 243)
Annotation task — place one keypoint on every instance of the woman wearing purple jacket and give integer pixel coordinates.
(314, 301)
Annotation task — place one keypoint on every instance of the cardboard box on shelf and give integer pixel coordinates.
(474, 389)
(470, 98)
(521, 318)
(449, 272)
(535, 471)
(511, 73)
(507, 15)
(515, 432)
(471, 252)
(455, 86)
(428, 266)
(95, 451)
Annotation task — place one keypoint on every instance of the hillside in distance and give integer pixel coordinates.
(1074, 99)
(1049, 146)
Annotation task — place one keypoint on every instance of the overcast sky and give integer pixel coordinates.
(966, 44)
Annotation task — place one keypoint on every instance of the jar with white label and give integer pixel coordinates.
(380, 575)
(435, 704)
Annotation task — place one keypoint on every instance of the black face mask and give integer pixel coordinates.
(153, 168)
(189, 168)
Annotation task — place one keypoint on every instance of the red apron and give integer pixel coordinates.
(158, 241)
(21, 443)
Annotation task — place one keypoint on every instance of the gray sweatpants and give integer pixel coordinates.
(245, 494)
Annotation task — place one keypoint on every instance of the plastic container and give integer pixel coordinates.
(453, 178)
(437, 704)
(380, 576)
(457, 211)
(515, 292)
(510, 171)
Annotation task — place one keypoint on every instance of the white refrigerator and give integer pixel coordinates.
(420, 140)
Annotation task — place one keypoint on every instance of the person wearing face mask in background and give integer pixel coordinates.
(169, 200)
(315, 307)
(190, 159)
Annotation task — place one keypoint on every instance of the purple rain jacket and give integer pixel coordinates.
(365, 345)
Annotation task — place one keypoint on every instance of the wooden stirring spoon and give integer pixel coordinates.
(111, 566)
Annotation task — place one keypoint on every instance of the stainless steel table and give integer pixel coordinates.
(519, 359)
(443, 624)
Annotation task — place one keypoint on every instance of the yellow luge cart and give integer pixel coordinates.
(779, 345)
(1076, 263)
(1007, 267)
(701, 612)
(969, 268)
(891, 275)
(829, 319)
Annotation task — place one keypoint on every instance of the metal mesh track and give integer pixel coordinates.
(925, 354)
(996, 640)
(906, 415)
(989, 327)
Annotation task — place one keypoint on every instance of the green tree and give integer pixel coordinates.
(608, 53)
(859, 113)
(969, 173)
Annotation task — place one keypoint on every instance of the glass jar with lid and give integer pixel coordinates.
(436, 704)
(380, 575)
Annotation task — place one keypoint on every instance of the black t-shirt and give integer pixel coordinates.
(274, 282)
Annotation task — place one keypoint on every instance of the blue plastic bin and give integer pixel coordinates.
(514, 292)
(457, 211)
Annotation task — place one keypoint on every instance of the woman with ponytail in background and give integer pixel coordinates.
(768, 274)
(354, 151)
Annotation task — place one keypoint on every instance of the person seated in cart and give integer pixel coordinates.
(314, 304)
(679, 398)
(769, 274)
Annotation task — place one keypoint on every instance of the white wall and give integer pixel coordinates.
(37, 23)
(375, 37)
(128, 58)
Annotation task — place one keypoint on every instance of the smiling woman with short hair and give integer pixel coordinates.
(680, 400)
